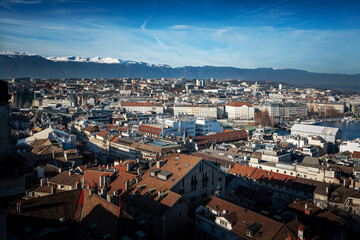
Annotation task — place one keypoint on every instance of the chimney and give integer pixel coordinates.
(53, 189)
(42, 181)
(103, 192)
(138, 160)
(301, 232)
(352, 183)
(127, 185)
(139, 171)
(19, 207)
(344, 183)
(78, 184)
(69, 172)
(158, 164)
(53, 154)
(101, 181)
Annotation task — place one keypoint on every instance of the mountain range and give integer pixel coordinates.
(21, 64)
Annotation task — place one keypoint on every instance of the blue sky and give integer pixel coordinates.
(321, 37)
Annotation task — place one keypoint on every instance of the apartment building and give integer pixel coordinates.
(309, 168)
(284, 188)
(142, 107)
(161, 199)
(286, 110)
(351, 146)
(239, 111)
(197, 111)
(220, 219)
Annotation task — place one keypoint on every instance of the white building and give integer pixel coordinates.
(350, 146)
(54, 102)
(204, 126)
(329, 134)
(169, 127)
(197, 111)
(142, 107)
(236, 110)
(286, 110)
(68, 141)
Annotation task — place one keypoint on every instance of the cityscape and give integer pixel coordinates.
(195, 137)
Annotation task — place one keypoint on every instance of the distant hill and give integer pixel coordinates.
(13, 65)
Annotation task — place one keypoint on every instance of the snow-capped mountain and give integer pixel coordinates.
(106, 60)
(22, 64)
(10, 53)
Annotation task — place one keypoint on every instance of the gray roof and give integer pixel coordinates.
(312, 161)
(313, 129)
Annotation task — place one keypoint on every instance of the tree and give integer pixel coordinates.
(263, 118)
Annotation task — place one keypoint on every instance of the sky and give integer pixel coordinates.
(317, 35)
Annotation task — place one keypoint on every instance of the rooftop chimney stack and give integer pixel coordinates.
(139, 171)
(19, 207)
(127, 185)
(53, 189)
(301, 232)
(42, 181)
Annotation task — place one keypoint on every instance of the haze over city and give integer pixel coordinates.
(321, 36)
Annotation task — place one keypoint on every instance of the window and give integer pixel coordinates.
(249, 233)
(223, 223)
(180, 213)
(204, 195)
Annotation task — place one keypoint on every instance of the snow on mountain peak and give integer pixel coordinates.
(106, 60)
(10, 53)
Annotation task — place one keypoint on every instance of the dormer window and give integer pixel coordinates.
(249, 233)
(253, 229)
(223, 223)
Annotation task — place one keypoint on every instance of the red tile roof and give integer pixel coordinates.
(356, 155)
(102, 133)
(236, 104)
(145, 193)
(221, 137)
(92, 129)
(119, 182)
(242, 170)
(241, 219)
(92, 177)
(150, 129)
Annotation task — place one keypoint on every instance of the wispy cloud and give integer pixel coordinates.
(7, 4)
(179, 43)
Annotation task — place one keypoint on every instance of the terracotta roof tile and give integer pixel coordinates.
(236, 104)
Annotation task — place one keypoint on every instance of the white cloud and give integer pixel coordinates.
(180, 45)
